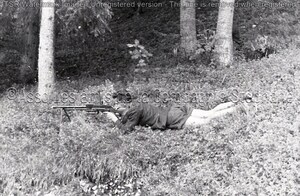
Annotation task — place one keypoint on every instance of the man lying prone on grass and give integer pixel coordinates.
(173, 117)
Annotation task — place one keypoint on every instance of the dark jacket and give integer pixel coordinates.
(162, 118)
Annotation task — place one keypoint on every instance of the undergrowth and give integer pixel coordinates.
(252, 153)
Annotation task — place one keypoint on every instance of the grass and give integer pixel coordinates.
(242, 154)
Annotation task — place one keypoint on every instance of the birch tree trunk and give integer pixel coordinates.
(188, 27)
(46, 74)
(30, 58)
(224, 43)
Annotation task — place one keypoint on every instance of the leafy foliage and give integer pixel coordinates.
(205, 46)
(139, 53)
(82, 18)
(276, 20)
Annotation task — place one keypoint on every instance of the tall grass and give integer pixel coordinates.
(251, 154)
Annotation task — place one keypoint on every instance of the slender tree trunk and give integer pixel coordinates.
(188, 27)
(29, 60)
(224, 43)
(46, 74)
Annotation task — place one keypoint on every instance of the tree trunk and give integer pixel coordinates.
(46, 74)
(224, 43)
(188, 27)
(28, 69)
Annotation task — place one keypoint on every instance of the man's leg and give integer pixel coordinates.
(223, 106)
(208, 113)
(196, 121)
(223, 112)
(197, 113)
(200, 117)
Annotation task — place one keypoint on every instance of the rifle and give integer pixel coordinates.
(90, 108)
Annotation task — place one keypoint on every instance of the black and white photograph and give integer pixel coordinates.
(149, 98)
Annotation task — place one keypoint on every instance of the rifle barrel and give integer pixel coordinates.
(69, 107)
(87, 106)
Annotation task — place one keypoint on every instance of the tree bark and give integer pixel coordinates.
(224, 43)
(188, 27)
(46, 74)
(28, 69)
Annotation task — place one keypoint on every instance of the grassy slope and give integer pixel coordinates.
(251, 154)
(257, 153)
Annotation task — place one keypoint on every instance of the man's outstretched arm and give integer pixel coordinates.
(128, 121)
